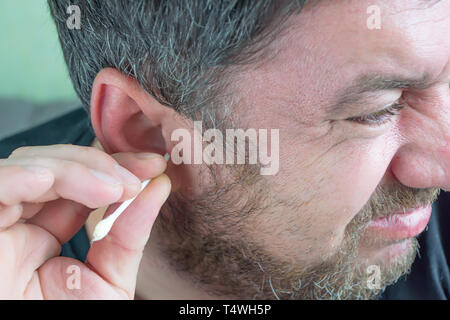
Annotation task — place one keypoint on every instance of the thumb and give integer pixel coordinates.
(116, 257)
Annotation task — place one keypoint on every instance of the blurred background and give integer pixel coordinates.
(34, 84)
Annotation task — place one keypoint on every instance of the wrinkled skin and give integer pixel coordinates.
(330, 166)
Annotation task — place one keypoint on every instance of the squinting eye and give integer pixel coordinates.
(380, 117)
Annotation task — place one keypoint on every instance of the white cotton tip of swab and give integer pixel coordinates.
(101, 229)
(167, 157)
(104, 226)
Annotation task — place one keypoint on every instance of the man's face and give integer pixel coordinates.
(279, 236)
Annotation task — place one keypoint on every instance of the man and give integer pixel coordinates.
(359, 91)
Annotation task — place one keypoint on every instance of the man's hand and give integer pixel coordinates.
(46, 195)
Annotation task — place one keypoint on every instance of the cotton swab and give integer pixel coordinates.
(102, 228)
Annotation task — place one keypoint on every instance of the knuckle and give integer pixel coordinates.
(99, 155)
(13, 169)
(71, 166)
(19, 151)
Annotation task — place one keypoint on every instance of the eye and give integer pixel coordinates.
(380, 117)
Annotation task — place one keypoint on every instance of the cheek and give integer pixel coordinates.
(332, 190)
(358, 174)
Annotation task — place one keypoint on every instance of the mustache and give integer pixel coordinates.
(388, 199)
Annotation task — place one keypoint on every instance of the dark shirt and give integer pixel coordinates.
(429, 277)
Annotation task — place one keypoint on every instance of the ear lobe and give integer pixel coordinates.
(124, 117)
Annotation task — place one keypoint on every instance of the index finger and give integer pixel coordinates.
(116, 257)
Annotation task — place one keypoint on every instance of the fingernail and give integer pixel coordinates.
(105, 177)
(147, 155)
(126, 175)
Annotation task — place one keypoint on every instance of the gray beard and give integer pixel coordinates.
(204, 240)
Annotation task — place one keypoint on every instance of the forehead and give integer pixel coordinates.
(329, 45)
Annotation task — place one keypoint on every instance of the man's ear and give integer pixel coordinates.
(125, 117)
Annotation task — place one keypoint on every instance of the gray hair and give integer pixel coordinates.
(178, 50)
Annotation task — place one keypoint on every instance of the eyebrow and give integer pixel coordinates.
(358, 91)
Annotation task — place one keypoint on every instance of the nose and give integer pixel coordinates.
(423, 158)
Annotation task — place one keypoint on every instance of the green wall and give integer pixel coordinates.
(32, 65)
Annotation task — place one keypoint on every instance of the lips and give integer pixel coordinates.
(401, 225)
